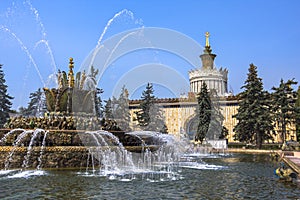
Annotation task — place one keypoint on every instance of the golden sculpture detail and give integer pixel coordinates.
(83, 77)
(60, 80)
(126, 93)
(71, 74)
(207, 39)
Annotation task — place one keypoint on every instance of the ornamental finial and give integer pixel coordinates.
(71, 73)
(207, 39)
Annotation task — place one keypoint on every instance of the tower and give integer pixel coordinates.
(207, 57)
(216, 80)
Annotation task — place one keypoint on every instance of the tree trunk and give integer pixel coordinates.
(283, 127)
(259, 140)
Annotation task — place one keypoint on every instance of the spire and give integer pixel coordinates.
(207, 57)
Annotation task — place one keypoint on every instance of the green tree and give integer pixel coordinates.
(224, 133)
(22, 110)
(122, 113)
(298, 114)
(150, 116)
(216, 119)
(98, 103)
(5, 99)
(108, 109)
(203, 113)
(109, 121)
(254, 116)
(147, 98)
(157, 122)
(285, 111)
(37, 104)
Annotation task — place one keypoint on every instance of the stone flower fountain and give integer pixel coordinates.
(70, 135)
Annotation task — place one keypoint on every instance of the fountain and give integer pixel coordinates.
(70, 97)
(70, 135)
(93, 160)
(93, 152)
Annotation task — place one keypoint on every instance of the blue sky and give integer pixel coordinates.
(265, 33)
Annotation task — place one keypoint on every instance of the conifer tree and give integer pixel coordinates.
(5, 99)
(298, 114)
(98, 103)
(109, 121)
(224, 133)
(285, 111)
(157, 122)
(108, 109)
(150, 117)
(147, 98)
(37, 104)
(254, 116)
(216, 119)
(122, 113)
(22, 110)
(203, 113)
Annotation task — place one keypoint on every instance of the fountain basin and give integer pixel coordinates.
(39, 148)
(76, 138)
(59, 156)
(52, 157)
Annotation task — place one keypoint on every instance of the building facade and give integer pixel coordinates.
(180, 115)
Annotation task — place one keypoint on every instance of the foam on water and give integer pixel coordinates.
(202, 166)
(5, 172)
(125, 180)
(136, 174)
(27, 174)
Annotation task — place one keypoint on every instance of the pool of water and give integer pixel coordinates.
(235, 176)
